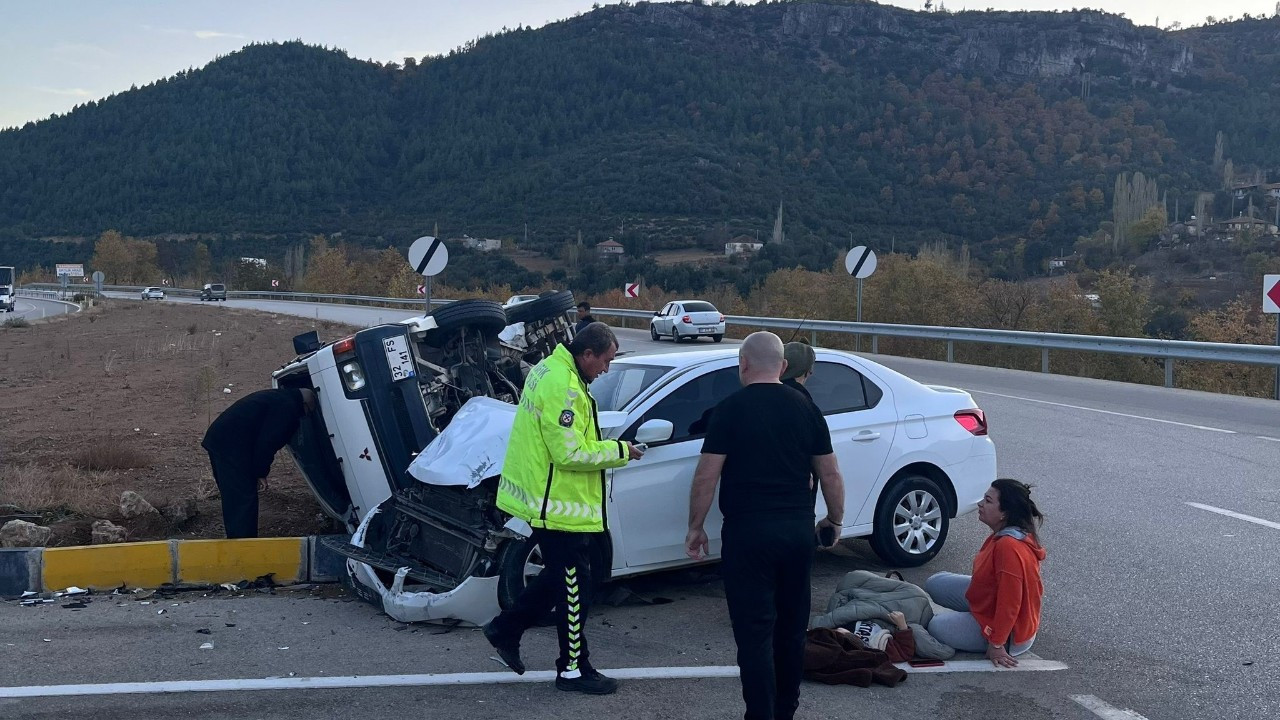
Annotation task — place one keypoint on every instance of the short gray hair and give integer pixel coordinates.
(596, 337)
(763, 350)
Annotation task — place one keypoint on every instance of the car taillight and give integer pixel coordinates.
(345, 345)
(975, 421)
(721, 318)
(686, 320)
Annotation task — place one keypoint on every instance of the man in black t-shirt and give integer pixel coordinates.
(763, 442)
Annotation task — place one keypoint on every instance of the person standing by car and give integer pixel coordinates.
(554, 479)
(242, 443)
(763, 443)
(584, 317)
(998, 607)
(800, 358)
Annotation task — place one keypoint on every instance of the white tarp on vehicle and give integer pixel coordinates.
(471, 448)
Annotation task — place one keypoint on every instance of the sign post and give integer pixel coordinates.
(860, 263)
(98, 277)
(1271, 306)
(428, 256)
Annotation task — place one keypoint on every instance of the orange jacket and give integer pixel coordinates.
(1004, 595)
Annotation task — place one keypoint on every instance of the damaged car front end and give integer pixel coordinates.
(407, 448)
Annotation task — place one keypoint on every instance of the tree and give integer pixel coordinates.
(125, 261)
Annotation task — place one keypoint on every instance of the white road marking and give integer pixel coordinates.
(1106, 412)
(1103, 710)
(477, 678)
(1236, 515)
(1264, 437)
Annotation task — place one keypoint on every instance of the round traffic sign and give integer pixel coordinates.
(428, 255)
(98, 276)
(860, 262)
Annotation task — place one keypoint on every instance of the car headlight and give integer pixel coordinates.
(352, 375)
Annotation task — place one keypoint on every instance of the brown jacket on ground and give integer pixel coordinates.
(838, 659)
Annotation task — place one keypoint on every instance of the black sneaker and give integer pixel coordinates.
(590, 682)
(508, 650)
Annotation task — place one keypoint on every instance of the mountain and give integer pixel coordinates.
(667, 125)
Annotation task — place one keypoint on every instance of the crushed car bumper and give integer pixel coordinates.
(474, 600)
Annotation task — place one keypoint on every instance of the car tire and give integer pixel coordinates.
(916, 502)
(653, 332)
(547, 306)
(675, 336)
(485, 315)
(514, 557)
(717, 338)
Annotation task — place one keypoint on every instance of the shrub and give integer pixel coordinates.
(17, 322)
(110, 454)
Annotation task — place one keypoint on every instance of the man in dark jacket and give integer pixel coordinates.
(799, 357)
(584, 317)
(243, 441)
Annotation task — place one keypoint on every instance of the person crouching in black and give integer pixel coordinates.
(242, 443)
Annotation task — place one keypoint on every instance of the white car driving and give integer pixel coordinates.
(687, 320)
(429, 542)
(152, 293)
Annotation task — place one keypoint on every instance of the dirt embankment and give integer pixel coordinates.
(117, 398)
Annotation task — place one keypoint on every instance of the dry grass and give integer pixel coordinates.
(105, 455)
(56, 490)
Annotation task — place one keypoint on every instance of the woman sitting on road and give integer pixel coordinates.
(998, 607)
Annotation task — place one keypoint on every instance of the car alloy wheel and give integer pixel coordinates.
(653, 332)
(911, 522)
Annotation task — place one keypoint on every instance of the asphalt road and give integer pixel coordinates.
(1156, 606)
(36, 309)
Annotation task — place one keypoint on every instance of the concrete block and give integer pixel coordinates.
(104, 567)
(326, 565)
(19, 571)
(206, 562)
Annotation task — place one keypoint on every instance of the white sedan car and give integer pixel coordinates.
(152, 293)
(429, 543)
(687, 320)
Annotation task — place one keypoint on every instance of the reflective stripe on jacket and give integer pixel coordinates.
(553, 476)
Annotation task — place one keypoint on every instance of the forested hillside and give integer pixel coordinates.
(672, 125)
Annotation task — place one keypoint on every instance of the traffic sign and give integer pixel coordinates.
(275, 283)
(860, 262)
(70, 270)
(422, 289)
(631, 290)
(428, 255)
(1271, 293)
(98, 276)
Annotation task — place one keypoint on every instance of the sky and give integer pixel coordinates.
(56, 54)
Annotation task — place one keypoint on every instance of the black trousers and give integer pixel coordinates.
(766, 561)
(563, 586)
(239, 490)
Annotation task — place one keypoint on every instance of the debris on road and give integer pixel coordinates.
(207, 646)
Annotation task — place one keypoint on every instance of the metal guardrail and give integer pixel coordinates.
(1169, 351)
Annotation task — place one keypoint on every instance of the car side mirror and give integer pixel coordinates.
(655, 431)
(657, 313)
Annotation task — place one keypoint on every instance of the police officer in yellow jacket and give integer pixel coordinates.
(553, 477)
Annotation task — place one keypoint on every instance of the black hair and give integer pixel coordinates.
(596, 337)
(584, 305)
(1019, 509)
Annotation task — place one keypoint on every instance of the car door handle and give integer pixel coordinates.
(866, 436)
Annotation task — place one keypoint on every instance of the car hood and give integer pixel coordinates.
(471, 448)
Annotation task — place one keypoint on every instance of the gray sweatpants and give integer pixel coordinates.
(959, 628)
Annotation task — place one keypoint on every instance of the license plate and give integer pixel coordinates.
(399, 359)
(706, 330)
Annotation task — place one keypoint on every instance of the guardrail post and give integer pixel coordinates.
(951, 351)
(813, 338)
(875, 344)
(1044, 360)
(1168, 372)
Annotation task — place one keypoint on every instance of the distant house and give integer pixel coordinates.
(611, 249)
(481, 244)
(1273, 190)
(741, 248)
(1238, 225)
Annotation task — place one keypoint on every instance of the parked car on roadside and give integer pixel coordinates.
(687, 320)
(517, 299)
(411, 435)
(213, 291)
(152, 293)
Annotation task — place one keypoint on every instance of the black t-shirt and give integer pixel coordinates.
(769, 434)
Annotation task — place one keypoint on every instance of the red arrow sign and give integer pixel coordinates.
(1274, 293)
(632, 290)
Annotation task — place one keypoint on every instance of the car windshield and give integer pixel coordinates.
(614, 389)
(699, 307)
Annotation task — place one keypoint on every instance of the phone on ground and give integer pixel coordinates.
(925, 663)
